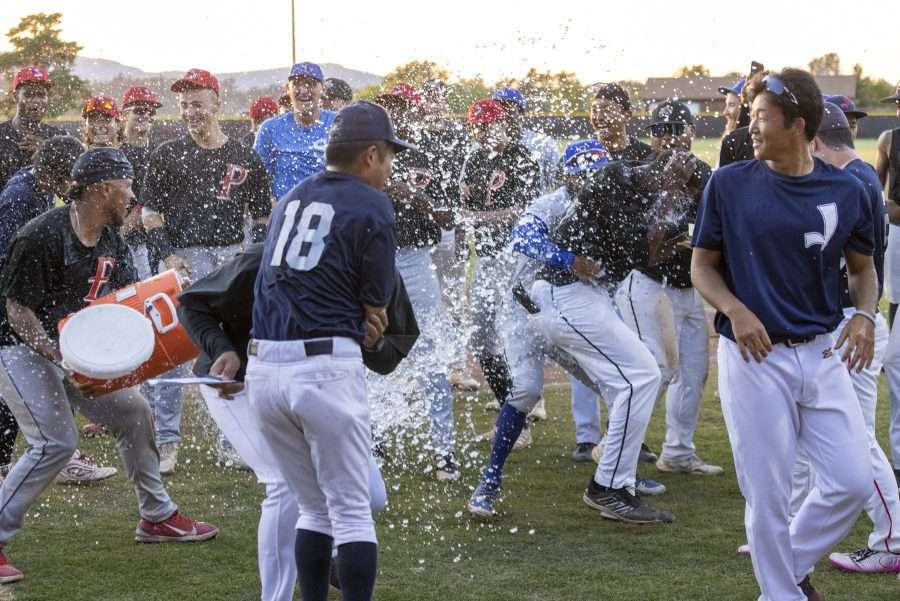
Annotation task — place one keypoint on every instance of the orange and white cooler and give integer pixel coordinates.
(127, 336)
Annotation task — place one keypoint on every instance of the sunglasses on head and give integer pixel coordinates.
(774, 85)
(661, 130)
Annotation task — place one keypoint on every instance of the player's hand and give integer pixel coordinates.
(178, 264)
(376, 323)
(89, 390)
(29, 143)
(586, 269)
(859, 335)
(750, 334)
(680, 167)
(226, 365)
(372, 336)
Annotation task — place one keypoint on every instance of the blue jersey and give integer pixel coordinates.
(330, 249)
(865, 173)
(292, 152)
(782, 240)
(20, 202)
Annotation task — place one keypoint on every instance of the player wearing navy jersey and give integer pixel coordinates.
(58, 263)
(327, 272)
(767, 255)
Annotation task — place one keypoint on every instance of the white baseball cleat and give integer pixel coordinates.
(539, 412)
(866, 561)
(168, 457)
(81, 469)
(694, 465)
(744, 550)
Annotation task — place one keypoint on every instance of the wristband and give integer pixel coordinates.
(866, 314)
(158, 243)
(258, 232)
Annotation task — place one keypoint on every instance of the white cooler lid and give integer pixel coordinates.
(106, 341)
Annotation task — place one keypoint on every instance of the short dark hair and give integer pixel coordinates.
(615, 93)
(837, 139)
(809, 104)
(57, 155)
(345, 154)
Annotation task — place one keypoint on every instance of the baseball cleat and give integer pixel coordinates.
(583, 452)
(81, 469)
(694, 465)
(647, 456)
(8, 572)
(620, 505)
(808, 590)
(866, 561)
(744, 550)
(174, 529)
(446, 468)
(483, 501)
(168, 457)
(539, 413)
(524, 440)
(648, 487)
(493, 405)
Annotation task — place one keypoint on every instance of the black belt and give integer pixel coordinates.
(310, 347)
(792, 341)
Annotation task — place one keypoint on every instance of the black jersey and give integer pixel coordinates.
(676, 272)
(52, 273)
(635, 151)
(608, 222)
(492, 181)
(442, 155)
(217, 312)
(13, 158)
(139, 157)
(736, 146)
(202, 193)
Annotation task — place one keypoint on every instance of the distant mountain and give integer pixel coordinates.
(100, 70)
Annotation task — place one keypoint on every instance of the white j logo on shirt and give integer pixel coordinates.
(830, 217)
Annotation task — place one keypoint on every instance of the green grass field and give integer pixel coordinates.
(546, 546)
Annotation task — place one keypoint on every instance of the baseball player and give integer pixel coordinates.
(337, 94)
(217, 313)
(58, 263)
(292, 146)
(262, 108)
(327, 271)
(605, 232)
(498, 180)
(543, 148)
(21, 135)
(659, 304)
(767, 255)
(419, 227)
(194, 198)
(100, 125)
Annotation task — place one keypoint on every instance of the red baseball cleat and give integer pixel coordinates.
(175, 529)
(8, 573)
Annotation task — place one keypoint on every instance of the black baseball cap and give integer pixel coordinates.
(671, 111)
(833, 118)
(364, 121)
(99, 165)
(338, 88)
(893, 98)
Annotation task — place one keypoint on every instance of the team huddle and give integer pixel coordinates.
(342, 241)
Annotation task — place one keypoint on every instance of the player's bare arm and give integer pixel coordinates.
(153, 225)
(29, 328)
(706, 276)
(859, 334)
(882, 159)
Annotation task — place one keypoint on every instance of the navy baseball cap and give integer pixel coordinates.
(892, 99)
(364, 121)
(583, 155)
(735, 89)
(311, 70)
(833, 118)
(671, 111)
(846, 104)
(510, 95)
(99, 165)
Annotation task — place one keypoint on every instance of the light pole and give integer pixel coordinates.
(293, 34)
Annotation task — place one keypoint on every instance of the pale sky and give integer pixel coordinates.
(597, 39)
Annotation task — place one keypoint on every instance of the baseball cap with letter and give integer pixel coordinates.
(583, 155)
(32, 74)
(364, 121)
(196, 79)
(485, 111)
(510, 95)
(310, 70)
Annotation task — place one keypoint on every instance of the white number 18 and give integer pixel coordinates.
(307, 246)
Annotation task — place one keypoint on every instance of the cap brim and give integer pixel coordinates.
(155, 105)
(726, 91)
(893, 98)
(648, 126)
(857, 114)
(183, 85)
(399, 145)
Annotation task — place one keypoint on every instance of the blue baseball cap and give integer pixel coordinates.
(311, 70)
(735, 89)
(583, 155)
(846, 104)
(364, 121)
(510, 95)
(833, 118)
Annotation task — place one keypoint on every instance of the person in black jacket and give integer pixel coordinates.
(217, 313)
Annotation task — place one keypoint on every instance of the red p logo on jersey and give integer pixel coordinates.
(235, 175)
(105, 266)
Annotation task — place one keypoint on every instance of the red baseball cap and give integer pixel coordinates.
(194, 79)
(403, 91)
(140, 95)
(101, 103)
(32, 74)
(263, 106)
(485, 111)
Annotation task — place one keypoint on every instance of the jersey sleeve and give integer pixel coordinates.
(26, 275)
(708, 229)
(157, 187)
(259, 191)
(862, 238)
(265, 147)
(377, 265)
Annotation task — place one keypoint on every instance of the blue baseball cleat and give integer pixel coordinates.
(483, 501)
(648, 487)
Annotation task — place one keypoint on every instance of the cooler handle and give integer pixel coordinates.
(154, 313)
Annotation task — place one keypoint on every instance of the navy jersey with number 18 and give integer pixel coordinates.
(330, 249)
